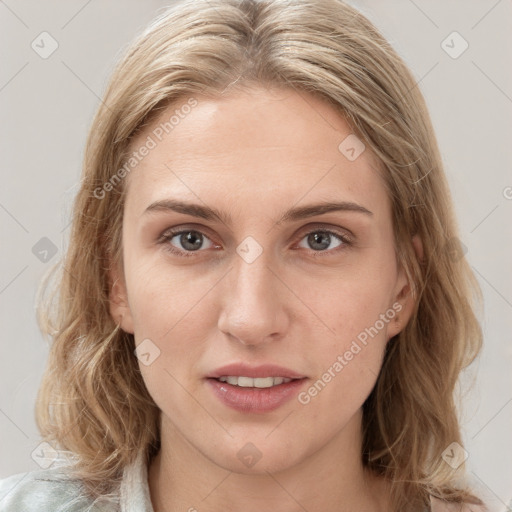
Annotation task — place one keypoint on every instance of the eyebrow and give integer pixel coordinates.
(293, 214)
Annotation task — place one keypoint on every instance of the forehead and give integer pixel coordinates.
(260, 146)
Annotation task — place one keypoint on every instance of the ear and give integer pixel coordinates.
(118, 299)
(404, 298)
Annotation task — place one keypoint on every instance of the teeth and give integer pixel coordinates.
(233, 381)
(249, 382)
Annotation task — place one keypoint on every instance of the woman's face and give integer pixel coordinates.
(232, 258)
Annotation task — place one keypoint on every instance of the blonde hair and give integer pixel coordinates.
(93, 401)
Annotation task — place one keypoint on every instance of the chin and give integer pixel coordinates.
(256, 455)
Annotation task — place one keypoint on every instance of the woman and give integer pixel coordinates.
(263, 305)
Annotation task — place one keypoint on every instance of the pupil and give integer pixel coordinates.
(191, 240)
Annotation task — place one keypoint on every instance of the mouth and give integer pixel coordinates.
(249, 382)
(255, 389)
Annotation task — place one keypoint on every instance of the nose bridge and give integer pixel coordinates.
(252, 281)
(252, 310)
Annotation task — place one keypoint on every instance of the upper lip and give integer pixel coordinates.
(261, 371)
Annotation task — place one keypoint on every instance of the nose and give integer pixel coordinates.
(253, 308)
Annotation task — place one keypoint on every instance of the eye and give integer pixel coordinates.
(324, 240)
(186, 241)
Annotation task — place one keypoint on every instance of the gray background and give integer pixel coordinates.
(47, 106)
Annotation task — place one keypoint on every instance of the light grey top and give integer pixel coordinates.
(51, 490)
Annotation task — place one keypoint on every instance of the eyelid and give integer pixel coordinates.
(170, 232)
(343, 233)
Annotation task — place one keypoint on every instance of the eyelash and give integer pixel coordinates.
(168, 235)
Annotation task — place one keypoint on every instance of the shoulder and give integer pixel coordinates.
(438, 505)
(46, 490)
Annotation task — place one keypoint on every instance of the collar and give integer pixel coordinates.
(134, 490)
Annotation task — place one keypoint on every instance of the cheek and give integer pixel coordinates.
(357, 310)
(357, 300)
(163, 299)
(347, 360)
(170, 311)
(174, 311)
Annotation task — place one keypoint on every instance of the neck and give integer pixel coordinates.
(331, 479)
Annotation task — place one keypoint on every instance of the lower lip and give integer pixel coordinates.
(255, 400)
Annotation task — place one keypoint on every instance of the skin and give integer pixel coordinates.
(254, 154)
